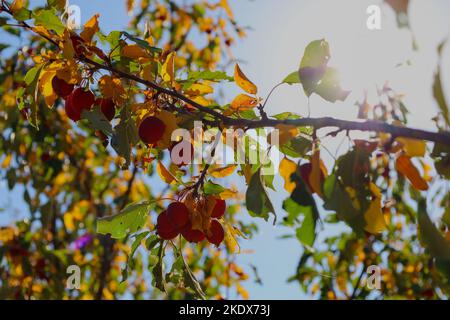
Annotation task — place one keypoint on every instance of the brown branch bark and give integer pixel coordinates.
(317, 123)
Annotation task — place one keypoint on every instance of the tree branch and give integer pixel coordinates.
(317, 123)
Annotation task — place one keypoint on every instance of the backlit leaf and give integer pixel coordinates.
(287, 168)
(243, 82)
(129, 220)
(405, 167)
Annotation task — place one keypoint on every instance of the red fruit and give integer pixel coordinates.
(215, 233)
(108, 107)
(219, 209)
(192, 235)
(70, 110)
(166, 230)
(151, 130)
(61, 88)
(178, 214)
(177, 153)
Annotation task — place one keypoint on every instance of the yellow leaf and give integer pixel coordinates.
(133, 51)
(228, 194)
(374, 217)
(224, 171)
(287, 168)
(17, 5)
(7, 161)
(244, 102)
(168, 68)
(285, 134)
(405, 167)
(111, 88)
(413, 147)
(170, 122)
(315, 177)
(164, 174)
(231, 234)
(67, 46)
(46, 88)
(90, 28)
(199, 89)
(243, 82)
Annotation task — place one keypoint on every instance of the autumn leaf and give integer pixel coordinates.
(405, 167)
(111, 88)
(413, 147)
(171, 123)
(133, 51)
(46, 88)
(374, 218)
(90, 28)
(287, 168)
(243, 82)
(168, 69)
(164, 174)
(285, 134)
(223, 171)
(244, 102)
(198, 89)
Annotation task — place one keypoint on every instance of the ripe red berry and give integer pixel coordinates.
(177, 153)
(219, 209)
(78, 101)
(70, 110)
(215, 233)
(178, 214)
(192, 235)
(61, 87)
(108, 107)
(151, 130)
(166, 230)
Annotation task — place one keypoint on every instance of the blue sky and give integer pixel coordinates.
(280, 30)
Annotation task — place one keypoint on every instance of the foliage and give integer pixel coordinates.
(86, 164)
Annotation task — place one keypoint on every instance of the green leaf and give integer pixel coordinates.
(338, 200)
(292, 78)
(142, 43)
(306, 232)
(129, 220)
(212, 188)
(97, 120)
(31, 79)
(125, 136)
(433, 240)
(208, 75)
(313, 64)
(329, 86)
(49, 20)
(297, 147)
(158, 270)
(438, 92)
(316, 76)
(257, 200)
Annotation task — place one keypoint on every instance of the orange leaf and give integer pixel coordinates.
(244, 102)
(287, 168)
(224, 171)
(90, 28)
(133, 51)
(242, 81)
(407, 168)
(168, 68)
(164, 174)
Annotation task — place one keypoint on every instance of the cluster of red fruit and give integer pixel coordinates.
(175, 220)
(151, 131)
(80, 99)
